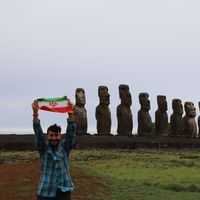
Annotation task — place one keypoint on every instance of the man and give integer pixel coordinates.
(55, 180)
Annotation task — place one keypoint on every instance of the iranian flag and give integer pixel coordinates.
(60, 104)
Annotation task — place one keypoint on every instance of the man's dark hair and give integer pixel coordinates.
(54, 128)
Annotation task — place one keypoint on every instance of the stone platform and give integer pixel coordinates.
(26, 142)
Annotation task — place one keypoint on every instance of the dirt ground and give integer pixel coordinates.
(19, 182)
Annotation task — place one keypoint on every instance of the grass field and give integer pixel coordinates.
(142, 174)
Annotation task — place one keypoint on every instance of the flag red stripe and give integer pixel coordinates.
(60, 109)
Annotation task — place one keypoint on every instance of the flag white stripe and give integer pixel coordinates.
(56, 104)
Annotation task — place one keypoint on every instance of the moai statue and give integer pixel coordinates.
(161, 117)
(189, 123)
(80, 113)
(176, 120)
(199, 121)
(124, 114)
(103, 114)
(144, 118)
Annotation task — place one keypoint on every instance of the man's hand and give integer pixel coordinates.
(35, 111)
(35, 107)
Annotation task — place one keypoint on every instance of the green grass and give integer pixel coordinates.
(145, 173)
(17, 156)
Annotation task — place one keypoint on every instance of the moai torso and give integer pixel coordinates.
(80, 113)
(124, 114)
(189, 123)
(144, 118)
(176, 120)
(103, 114)
(161, 117)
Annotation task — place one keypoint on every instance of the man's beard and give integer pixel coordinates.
(54, 143)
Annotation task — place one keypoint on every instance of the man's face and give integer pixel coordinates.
(53, 138)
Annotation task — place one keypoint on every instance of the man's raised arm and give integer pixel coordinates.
(39, 139)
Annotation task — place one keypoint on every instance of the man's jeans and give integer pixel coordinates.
(59, 196)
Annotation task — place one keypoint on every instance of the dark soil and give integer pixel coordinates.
(19, 182)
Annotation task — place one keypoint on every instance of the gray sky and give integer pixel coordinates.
(49, 48)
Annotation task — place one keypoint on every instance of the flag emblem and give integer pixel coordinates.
(52, 104)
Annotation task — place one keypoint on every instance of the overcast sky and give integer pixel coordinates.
(49, 48)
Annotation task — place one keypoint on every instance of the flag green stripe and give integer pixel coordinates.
(53, 99)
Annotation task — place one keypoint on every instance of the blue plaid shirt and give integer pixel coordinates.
(54, 165)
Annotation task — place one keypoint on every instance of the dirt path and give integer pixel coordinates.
(19, 182)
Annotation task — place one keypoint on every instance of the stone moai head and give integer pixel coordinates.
(162, 103)
(177, 106)
(190, 110)
(104, 96)
(125, 95)
(144, 101)
(80, 96)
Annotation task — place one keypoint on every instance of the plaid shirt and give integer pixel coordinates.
(54, 165)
